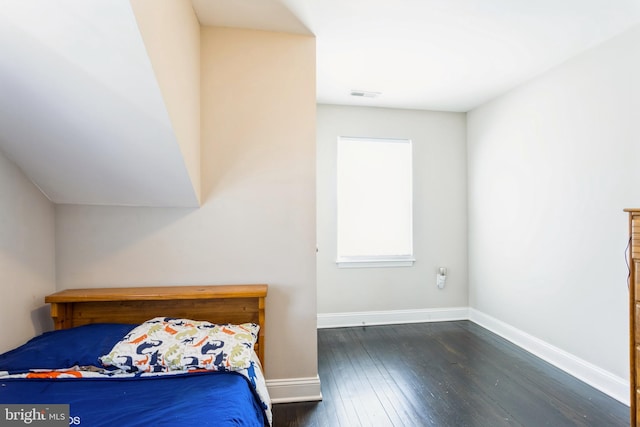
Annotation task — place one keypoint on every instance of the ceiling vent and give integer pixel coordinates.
(364, 93)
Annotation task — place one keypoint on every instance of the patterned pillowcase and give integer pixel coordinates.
(166, 344)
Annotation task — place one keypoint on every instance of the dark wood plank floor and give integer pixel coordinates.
(442, 374)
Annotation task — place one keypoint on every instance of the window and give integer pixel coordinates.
(374, 198)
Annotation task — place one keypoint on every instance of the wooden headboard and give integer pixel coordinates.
(217, 304)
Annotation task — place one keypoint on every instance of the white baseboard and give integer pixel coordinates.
(294, 390)
(610, 384)
(606, 382)
(369, 318)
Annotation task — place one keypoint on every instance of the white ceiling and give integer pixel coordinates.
(449, 55)
(82, 115)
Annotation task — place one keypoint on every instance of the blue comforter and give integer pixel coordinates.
(199, 399)
(98, 397)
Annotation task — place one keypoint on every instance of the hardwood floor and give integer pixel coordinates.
(442, 374)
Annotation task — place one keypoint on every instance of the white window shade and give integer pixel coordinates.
(374, 199)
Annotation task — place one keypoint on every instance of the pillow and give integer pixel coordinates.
(166, 344)
(65, 348)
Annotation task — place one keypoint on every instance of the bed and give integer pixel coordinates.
(178, 355)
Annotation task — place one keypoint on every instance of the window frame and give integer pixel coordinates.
(364, 260)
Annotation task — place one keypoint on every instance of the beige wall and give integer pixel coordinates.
(27, 258)
(439, 212)
(171, 34)
(257, 220)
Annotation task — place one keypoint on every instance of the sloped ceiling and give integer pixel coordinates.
(82, 114)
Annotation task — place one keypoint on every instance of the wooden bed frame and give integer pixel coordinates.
(217, 304)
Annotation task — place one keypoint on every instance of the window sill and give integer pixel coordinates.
(374, 262)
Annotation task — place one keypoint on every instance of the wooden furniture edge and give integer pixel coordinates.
(157, 293)
(633, 402)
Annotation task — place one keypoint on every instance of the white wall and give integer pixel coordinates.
(551, 165)
(27, 257)
(257, 220)
(439, 159)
